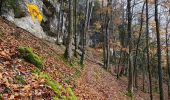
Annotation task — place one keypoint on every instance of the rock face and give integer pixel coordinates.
(20, 16)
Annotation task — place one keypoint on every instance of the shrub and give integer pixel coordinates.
(28, 55)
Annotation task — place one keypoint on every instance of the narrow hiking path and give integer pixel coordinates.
(97, 84)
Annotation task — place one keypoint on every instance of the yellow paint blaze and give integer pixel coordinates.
(34, 12)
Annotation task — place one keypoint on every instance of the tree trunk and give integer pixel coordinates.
(75, 29)
(130, 72)
(68, 51)
(167, 57)
(119, 62)
(159, 52)
(147, 50)
(84, 33)
(106, 39)
(137, 47)
(90, 14)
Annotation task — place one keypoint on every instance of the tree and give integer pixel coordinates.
(68, 51)
(130, 73)
(75, 28)
(147, 50)
(84, 33)
(167, 54)
(159, 52)
(106, 35)
(137, 46)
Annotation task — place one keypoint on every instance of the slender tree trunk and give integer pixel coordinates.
(107, 45)
(104, 37)
(167, 57)
(109, 22)
(90, 14)
(119, 64)
(147, 50)
(159, 52)
(84, 33)
(130, 72)
(68, 51)
(75, 28)
(137, 47)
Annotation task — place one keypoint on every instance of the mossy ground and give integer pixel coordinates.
(61, 93)
(28, 55)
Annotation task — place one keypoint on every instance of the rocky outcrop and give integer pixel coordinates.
(19, 16)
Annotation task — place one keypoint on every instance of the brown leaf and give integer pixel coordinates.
(12, 97)
(26, 88)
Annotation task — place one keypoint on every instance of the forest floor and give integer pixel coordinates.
(90, 83)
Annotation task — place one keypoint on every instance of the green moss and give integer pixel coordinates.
(56, 87)
(130, 94)
(28, 55)
(72, 95)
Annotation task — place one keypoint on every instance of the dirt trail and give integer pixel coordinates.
(97, 84)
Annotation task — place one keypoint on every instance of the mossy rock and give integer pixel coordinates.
(28, 55)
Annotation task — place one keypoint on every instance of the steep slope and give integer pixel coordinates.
(20, 80)
(17, 79)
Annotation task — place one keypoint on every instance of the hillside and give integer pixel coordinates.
(22, 80)
(12, 67)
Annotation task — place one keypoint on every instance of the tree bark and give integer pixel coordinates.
(68, 51)
(75, 29)
(84, 33)
(130, 72)
(147, 50)
(167, 57)
(159, 52)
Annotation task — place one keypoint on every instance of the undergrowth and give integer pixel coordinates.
(61, 93)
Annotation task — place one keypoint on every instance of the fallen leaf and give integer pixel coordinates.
(12, 97)
(26, 88)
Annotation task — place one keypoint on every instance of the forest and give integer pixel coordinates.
(84, 50)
